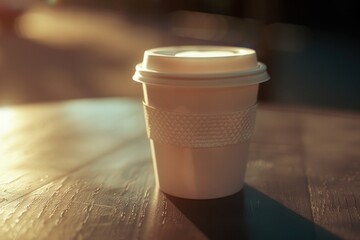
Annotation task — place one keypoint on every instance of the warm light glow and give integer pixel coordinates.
(10, 176)
(35, 24)
(204, 54)
(245, 51)
(6, 120)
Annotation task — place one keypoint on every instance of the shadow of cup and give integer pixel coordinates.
(216, 218)
(248, 214)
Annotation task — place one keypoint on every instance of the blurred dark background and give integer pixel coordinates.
(55, 50)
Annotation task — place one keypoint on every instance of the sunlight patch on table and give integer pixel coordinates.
(7, 120)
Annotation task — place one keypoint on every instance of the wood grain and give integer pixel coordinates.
(102, 199)
(44, 142)
(100, 182)
(333, 169)
(276, 165)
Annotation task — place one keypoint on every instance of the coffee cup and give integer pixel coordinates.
(200, 107)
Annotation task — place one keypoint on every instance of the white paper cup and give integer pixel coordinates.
(200, 106)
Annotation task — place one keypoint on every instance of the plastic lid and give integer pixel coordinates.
(202, 66)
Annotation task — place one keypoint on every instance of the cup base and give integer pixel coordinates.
(203, 197)
(200, 173)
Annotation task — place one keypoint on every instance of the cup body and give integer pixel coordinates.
(200, 106)
(200, 172)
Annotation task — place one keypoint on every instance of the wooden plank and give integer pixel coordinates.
(106, 199)
(114, 197)
(277, 127)
(40, 143)
(276, 160)
(333, 168)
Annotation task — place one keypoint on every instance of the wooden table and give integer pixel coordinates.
(82, 170)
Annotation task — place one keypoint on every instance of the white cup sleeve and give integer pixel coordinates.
(200, 130)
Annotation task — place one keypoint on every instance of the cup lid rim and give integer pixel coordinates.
(224, 79)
